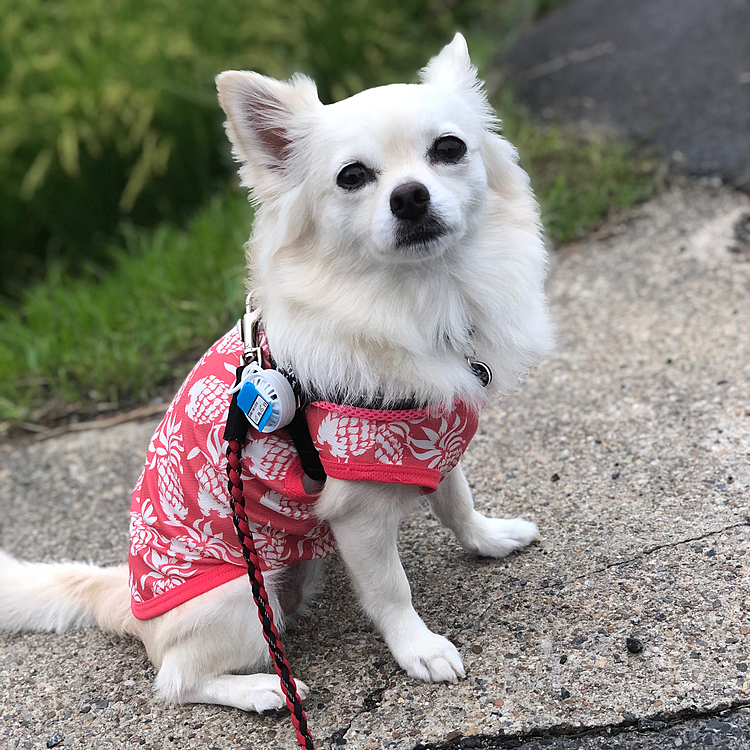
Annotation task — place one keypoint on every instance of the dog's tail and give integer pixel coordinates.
(59, 596)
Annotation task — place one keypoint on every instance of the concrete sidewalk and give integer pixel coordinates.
(630, 449)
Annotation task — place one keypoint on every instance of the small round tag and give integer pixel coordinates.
(267, 398)
(481, 371)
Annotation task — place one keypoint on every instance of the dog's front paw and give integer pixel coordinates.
(266, 694)
(248, 692)
(498, 537)
(429, 657)
(262, 692)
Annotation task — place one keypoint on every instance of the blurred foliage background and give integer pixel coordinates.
(121, 227)
(108, 107)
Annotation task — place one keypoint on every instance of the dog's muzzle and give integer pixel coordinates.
(417, 225)
(419, 234)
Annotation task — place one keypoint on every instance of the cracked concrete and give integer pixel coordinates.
(629, 447)
(722, 730)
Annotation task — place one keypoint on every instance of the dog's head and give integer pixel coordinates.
(394, 235)
(396, 174)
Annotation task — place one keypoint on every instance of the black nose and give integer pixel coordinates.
(410, 201)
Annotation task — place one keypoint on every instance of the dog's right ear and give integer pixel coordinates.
(265, 119)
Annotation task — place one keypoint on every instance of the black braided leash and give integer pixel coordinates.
(235, 434)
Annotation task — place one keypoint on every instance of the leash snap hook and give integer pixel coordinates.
(246, 327)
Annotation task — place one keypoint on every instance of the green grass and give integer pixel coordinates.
(119, 336)
(579, 178)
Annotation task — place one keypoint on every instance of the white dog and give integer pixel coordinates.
(395, 237)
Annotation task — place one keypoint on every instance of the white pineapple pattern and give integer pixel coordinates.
(389, 443)
(160, 585)
(185, 547)
(181, 521)
(213, 495)
(441, 448)
(168, 450)
(135, 592)
(347, 436)
(168, 572)
(282, 505)
(230, 343)
(212, 543)
(207, 400)
(268, 457)
(139, 483)
(272, 545)
(142, 535)
(320, 542)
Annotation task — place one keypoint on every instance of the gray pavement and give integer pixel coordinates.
(629, 447)
(675, 73)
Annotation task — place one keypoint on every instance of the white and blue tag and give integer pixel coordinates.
(256, 408)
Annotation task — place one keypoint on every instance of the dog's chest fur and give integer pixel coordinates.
(405, 333)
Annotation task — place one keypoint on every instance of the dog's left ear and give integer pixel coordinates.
(451, 68)
(266, 118)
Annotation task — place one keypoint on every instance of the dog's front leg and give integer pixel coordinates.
(364, 518)
(489, 537)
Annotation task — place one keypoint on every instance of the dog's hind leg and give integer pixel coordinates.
(488, 537)
(206, 648)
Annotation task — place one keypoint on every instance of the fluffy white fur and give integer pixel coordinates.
(351, 313)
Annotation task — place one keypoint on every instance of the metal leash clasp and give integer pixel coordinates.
(246, 327)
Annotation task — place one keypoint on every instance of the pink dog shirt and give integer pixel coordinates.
(182, 537)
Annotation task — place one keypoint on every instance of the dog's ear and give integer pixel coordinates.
(265, 118)
(451, 68)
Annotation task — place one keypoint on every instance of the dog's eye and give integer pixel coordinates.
(448, 149)
(353, 176)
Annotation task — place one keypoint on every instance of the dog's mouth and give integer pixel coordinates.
(419, 235)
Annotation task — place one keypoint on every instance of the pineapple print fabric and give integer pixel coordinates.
(399, 447)
(182, 537)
